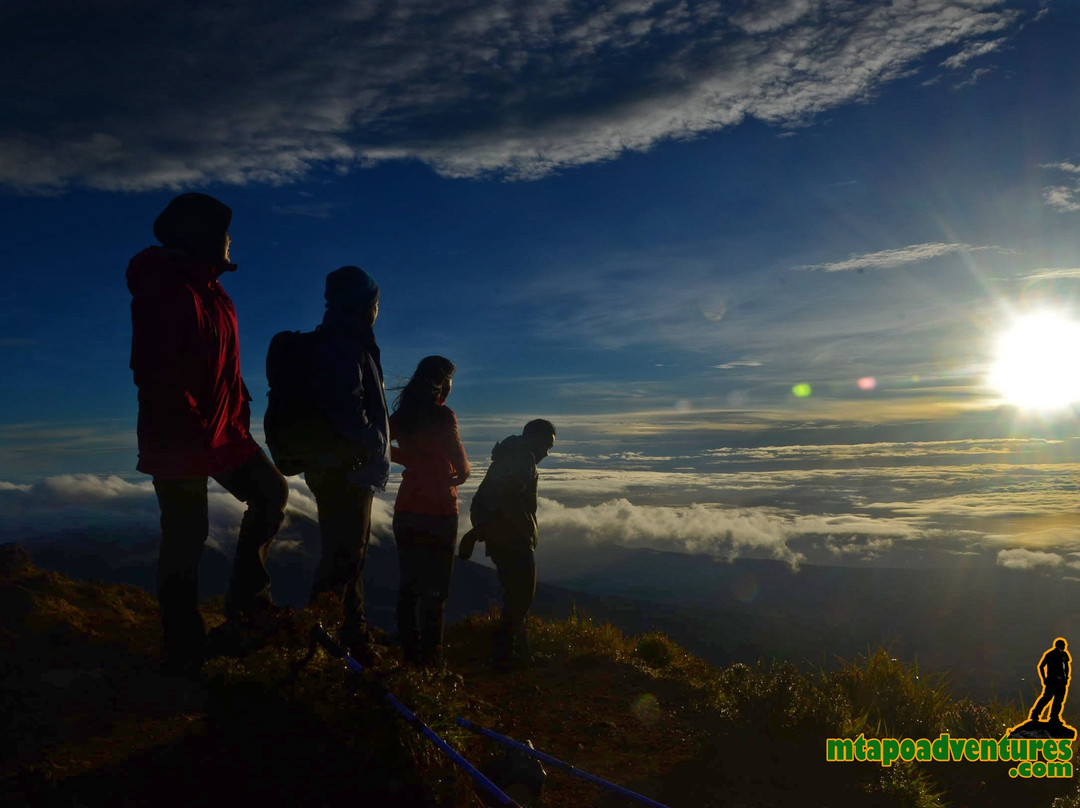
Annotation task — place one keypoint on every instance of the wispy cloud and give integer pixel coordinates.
(312, 210)
(617, 302)
(1052, 273)
(472, 88)
(897, 257)
(975, 77)
(43, 447)
(943, 452)
(1066, 196)
(972, 51)
(741, 363)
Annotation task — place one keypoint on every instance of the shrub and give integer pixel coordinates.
(966, 719)
(781, 700)
(902, 785)
(654, 649)
(891, 698)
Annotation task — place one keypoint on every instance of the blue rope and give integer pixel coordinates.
(319, 636)
(528, 750)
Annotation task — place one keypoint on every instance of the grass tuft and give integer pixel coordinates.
(892, 698)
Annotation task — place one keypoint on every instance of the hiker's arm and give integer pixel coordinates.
(339, 391)
(395, 452)
(163, 332)
(455, 452)
(517, 499)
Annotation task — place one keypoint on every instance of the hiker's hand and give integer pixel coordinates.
(468, 541)
(355, 457)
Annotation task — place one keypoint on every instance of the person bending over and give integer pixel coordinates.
(503, 514)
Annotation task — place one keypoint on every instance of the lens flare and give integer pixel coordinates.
(801, 390)
(646, 709)
(1036, 365)
(745, 589)
(867, 383)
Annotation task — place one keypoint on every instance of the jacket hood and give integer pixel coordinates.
(343, 322)
(510, 448)
(158, 269)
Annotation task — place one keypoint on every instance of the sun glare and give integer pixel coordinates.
(1037, 365)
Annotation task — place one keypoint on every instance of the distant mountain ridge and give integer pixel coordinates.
(985, 626)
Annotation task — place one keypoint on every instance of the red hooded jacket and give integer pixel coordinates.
(193, 404)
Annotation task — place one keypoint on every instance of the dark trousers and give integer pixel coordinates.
(425, 545)
(1055, 690)
(184, 528)
(345, 530)
(516, 565)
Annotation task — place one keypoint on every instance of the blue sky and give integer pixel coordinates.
(647, 221)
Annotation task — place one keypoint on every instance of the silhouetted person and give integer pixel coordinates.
(347, 384)
(503, 515)
(193, 421)
(426, 508)
(1054, 672)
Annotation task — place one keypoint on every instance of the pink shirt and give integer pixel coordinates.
(435, 464)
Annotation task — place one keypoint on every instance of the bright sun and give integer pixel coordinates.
(1037, 365)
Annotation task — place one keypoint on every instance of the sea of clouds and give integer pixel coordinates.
(882, 504)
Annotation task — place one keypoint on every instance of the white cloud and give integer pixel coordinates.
(741, 363)
(975, 77)
(1021, 559)
(79, 501)
(91, 489)
(693, 529)
(972, 51)
(1065, 197)
(1053, 273)
(266, 91)
(870, 502)
(1065, 166)
(900, 256)
(986, 504)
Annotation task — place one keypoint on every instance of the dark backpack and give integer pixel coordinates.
(295, 430)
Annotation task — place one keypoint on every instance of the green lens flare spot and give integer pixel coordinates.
(801, 390)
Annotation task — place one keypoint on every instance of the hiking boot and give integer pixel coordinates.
(187, 666)
(229, 639)
(361, 646)
(379, 637)
(250, 631)
(366, 654)
(411, 656)
(432, 658)
(504, 664)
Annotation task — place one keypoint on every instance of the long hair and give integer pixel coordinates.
(420, 395)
